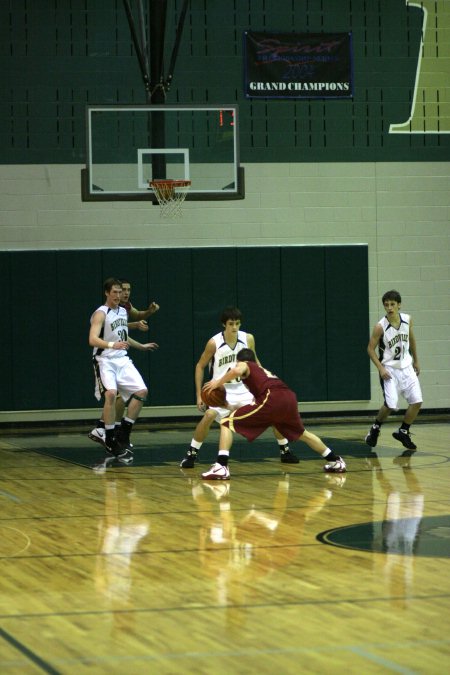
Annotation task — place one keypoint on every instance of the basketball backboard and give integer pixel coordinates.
(128, 146)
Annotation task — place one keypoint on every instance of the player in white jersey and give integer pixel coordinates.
(225, 358)
(219, 356)
(398, 366)
(136, 319)
(114, 370)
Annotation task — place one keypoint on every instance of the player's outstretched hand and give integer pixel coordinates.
(153, 307)
(142, 325)
(150, 346)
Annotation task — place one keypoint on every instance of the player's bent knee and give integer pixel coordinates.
(208, 417)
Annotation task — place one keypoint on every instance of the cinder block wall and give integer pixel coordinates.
(401, 210)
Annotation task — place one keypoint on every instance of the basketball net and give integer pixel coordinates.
(170, 195)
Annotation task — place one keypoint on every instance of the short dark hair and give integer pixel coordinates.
(246, 355)
(392, 295)
(124, 281)
(230, 312)
(110, 282)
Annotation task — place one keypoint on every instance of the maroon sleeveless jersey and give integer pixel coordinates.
(260, 380)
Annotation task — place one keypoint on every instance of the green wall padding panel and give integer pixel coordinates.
(347, 334)
(37, 368)
(306, 306)
(171, 368)
(8, 315)
(214, 286)
(304, 323)
(259, 298)
(78, 286)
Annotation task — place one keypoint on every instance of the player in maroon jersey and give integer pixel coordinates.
(136, 316)
(275, 405)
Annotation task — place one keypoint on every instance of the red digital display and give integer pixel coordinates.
(226, 118)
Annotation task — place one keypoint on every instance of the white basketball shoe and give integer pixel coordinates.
(217, 472)
(337, 466)
(98, 435)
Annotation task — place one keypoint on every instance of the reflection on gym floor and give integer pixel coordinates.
(147, 568)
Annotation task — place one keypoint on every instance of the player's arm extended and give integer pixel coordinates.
(140, 325)
(241, 370)
(147, 346)
(139, 314)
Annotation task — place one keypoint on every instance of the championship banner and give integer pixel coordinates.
(302, 65)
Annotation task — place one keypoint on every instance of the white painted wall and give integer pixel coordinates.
(402, 210)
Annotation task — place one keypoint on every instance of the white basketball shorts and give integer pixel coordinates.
(120, 374)
(403, 381)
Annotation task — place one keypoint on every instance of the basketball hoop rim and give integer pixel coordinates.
(170, 182)
(170, 193)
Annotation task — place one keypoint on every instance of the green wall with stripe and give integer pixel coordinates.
(307, 307)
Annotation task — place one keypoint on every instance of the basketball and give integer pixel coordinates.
(215, 398)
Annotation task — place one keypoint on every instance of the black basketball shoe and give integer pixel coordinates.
(188, 462)
(372, 436)
(288, 457)
(405, 439)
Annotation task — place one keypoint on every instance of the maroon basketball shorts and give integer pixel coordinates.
(279, 409)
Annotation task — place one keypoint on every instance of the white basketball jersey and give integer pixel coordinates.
(115, 329)
(394, 343)
(225, 358)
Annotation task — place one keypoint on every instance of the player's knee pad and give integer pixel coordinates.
(142, 399)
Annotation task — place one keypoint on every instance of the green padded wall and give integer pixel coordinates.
(78, 287)
(259, 298)
(304, 311)
(347, 332)
(214, 286)
(169, 274)
(37, 366)
(306, 306)
(8, 315)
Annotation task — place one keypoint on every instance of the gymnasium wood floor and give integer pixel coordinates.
(147, 569)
